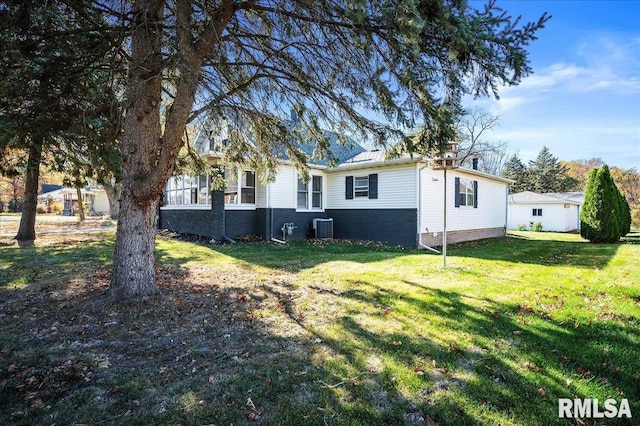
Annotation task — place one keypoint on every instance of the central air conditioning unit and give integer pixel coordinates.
(323, 228)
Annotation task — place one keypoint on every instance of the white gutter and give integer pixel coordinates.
(484, 175)
(370, 164)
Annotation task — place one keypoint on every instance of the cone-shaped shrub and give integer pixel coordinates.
(625, 216)
(600, 216)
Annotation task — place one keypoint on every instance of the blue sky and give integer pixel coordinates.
(583, 99)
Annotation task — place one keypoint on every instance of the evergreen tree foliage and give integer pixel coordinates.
(547, 174)
(542, 175)
(625, 214)
(600, 218)
(376, 70)
(54, 69)
(515, 169)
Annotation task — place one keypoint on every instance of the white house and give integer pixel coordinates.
(366, 196)
(557, 211)
(95, 199)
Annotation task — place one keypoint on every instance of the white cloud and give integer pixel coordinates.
(552, 76)
(603, 65)
(586, 106)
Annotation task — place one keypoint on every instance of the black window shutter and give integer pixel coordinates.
(457, 192)
(373, 186)
(348, 194)
(475, 194)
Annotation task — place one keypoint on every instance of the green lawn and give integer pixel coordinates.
(327, 334)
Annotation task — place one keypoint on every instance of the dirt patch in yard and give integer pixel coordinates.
(49, 223)
(69, 354)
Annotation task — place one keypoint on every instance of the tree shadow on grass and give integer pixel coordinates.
(514, 360)
(59, 261)
(249, 349)
(518, 249)
(202, 351)
(297, 255)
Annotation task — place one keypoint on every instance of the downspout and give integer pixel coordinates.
(271, 237)
(224, 222)
(224, 227)
(420, 169)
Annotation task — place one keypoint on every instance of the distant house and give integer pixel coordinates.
(556, 211)
(95, 199)
(364, 197)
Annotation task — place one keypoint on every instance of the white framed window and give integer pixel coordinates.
(536, 212)
(361, 186)
(241, 188)
(204, 195)
(310, 194)
(248, 190)
(187, 191)
(303, 194)
(466, 192)
(316, 192)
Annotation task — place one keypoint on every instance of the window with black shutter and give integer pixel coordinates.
(466, 192)
(373, 186)
(475, 194)
(348, 192)
(361, 187)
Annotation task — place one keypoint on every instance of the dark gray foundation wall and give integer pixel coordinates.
(206, 222)
(198, 222)
(240, 223)
(264, 223)
(394, 226)
(272, 220)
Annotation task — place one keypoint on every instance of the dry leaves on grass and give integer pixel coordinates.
(86, 342)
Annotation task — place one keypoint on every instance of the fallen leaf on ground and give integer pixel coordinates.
(429, 421)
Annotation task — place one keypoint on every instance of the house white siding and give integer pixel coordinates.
(282, 190)
(261, 195)
(490, 213)
(396, 188)
(572, 218)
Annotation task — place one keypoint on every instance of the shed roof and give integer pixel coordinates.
(529, 197)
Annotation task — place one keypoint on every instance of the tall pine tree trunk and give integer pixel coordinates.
(148, 152)
(27, 231)
(134, 261)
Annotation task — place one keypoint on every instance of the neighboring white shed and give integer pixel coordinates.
(556, 211)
